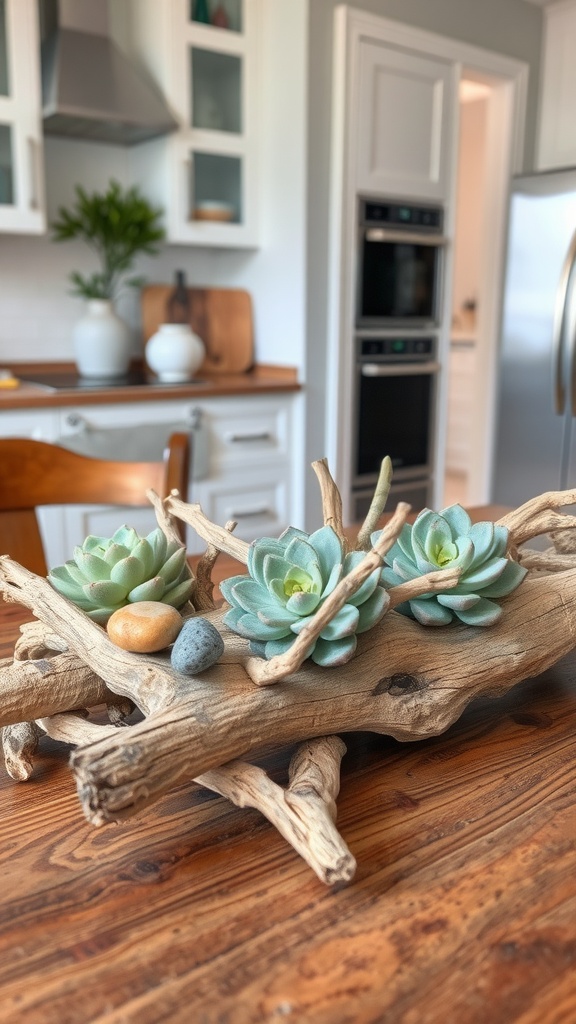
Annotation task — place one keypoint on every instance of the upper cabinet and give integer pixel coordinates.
(557, 124)
(21, 156)
(203, 54)
(405, 131)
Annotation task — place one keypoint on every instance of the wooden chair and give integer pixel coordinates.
(34, 473)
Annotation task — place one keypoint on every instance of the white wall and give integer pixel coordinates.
(37, 312)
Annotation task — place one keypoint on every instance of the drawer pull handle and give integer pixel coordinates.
(77, 422)
(264, 435)
(247, 513)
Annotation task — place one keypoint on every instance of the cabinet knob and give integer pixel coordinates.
(77, 422)
(194, 418)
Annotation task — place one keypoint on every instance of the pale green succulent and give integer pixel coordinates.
(289, 579)
(448, 540)
(108, 573)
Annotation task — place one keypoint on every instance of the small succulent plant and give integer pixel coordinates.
(108, 573)
(289, 579)
(447, 540)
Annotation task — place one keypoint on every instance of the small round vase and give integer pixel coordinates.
(174, 353)
(102, 342)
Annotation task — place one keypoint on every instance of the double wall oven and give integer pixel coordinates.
(400, 261)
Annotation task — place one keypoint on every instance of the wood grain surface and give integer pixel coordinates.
(222, 317)
(463, 909)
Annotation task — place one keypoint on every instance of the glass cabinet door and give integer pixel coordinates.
(217, 87)
(216, 188)
(21, 201)
(6, 166)
(225, 14)
(6, 149)
(210, 77)
(218, 114)
(4, 73)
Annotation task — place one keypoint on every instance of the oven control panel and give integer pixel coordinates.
(397, 348)
(402, 215)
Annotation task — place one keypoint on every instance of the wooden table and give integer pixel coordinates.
(463, 908)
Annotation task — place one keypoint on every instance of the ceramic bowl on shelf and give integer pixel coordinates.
(214, 211)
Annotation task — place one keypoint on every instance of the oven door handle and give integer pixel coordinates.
(398, 369)
(410, 237)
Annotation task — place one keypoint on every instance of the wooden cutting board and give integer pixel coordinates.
(222, 317)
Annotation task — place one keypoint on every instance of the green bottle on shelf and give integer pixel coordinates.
(201, 12)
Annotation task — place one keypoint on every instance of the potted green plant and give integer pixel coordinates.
(118, 225)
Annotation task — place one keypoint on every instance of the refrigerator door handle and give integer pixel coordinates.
(570, 331)
(559, 327)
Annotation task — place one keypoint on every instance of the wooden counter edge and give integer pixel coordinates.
(261, 379)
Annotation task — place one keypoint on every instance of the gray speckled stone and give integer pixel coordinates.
(198, 645)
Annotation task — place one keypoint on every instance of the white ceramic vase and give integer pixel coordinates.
(174, 353)
(102, 342)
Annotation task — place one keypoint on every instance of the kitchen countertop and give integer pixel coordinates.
(261, 379)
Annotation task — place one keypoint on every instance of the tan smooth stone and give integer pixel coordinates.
(144, 627)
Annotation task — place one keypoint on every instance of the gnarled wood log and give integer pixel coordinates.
(405, 680)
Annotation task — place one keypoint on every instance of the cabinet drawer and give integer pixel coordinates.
(65, 527)
(41, 426)
(241, 432)
(258, 505)
(93, 419)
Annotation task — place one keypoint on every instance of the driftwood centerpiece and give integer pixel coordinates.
(405, 680)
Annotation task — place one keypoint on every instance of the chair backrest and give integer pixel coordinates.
(34, 473)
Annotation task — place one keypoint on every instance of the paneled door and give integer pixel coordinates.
(406, 124)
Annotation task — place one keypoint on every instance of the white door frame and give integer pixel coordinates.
(499, 166)
(508, 79)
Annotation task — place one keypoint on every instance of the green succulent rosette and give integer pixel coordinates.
(449, 540)
(289, 579)
(107, 573)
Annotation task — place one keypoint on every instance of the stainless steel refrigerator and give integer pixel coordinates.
(535, 446)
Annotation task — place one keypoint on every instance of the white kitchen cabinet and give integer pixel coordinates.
(557, 124)
(22, 208)
(249, 476)
(242, 463)
(205, 174)
(405, 128)
(41, 424)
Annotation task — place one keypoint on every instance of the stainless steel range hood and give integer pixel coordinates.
(90, 90)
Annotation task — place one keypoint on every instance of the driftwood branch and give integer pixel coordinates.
(377, 504)
(210, 533)
(400, 684)
(331, 500)
(304, 813)
(539, 516)
(19, 744)
(546, 561)
(265, 672)
(205, 586)
(405, 681)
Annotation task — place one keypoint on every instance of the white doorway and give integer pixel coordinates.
(466, 288)
(484, 168)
